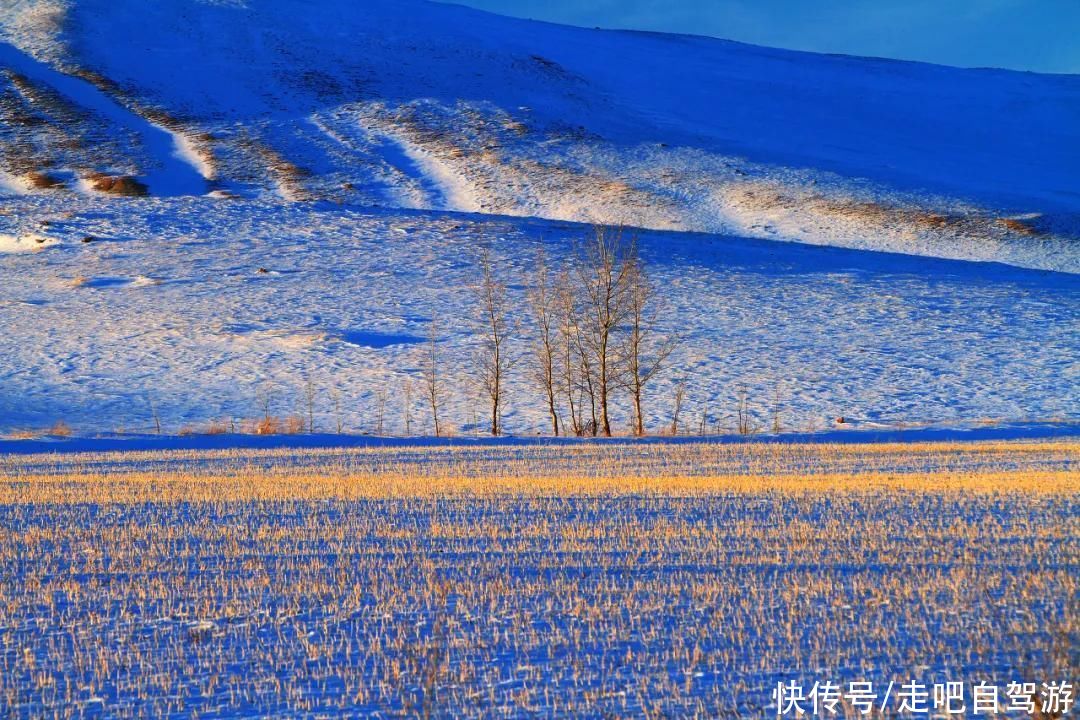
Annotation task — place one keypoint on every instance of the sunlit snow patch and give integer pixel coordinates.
(12, 244)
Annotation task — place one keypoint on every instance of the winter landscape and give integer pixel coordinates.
(398, 359)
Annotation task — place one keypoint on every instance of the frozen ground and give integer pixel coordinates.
(296, 447)
(522, 582)
(913, 454)
(202, 307)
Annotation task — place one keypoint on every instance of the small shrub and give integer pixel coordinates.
(118, 185)
(22, 435)
(267, 425)
(217, 427)
(44, 181)
(1017, 226)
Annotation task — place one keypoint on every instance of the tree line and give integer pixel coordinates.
(592, 333)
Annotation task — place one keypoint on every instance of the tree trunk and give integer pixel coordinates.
(496, 395)
(639, 420)
(605, 421)
(552, 412)
(604, 389)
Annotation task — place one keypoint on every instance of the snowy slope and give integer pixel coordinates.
(201, 308)
(403, 103)
(165, 167)
(321, 176)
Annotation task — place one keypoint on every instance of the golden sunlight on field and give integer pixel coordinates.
(586, 469)
(518, 581)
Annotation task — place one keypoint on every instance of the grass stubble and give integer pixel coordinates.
(593, 580)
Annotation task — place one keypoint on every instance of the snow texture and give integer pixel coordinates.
(403, 103)
(203, 306)
(322, 177)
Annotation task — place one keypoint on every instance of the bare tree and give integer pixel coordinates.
(586, 382)
(406, 399)
(680, 397)
(645, 352)
(335, 396)
(380, 410)
(776, 411)
(269, 425)
(543, 303)
(605, 266)
(309, 396)
(265, 397)
(569, 358)
(743, 418)
(431, 376)
(493, 360)
(154, 414)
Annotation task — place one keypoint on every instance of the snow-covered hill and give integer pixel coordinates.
(202, 310)
(412, 104)
(321, 175)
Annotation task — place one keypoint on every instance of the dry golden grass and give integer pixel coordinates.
(264, 486)
(40, 180)
(620, 580)
(1018, 225)
(24, 435)
(683, 469)
(118, 185)
(60, 429)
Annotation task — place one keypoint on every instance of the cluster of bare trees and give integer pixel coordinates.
(492, 359)
(592, 335)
